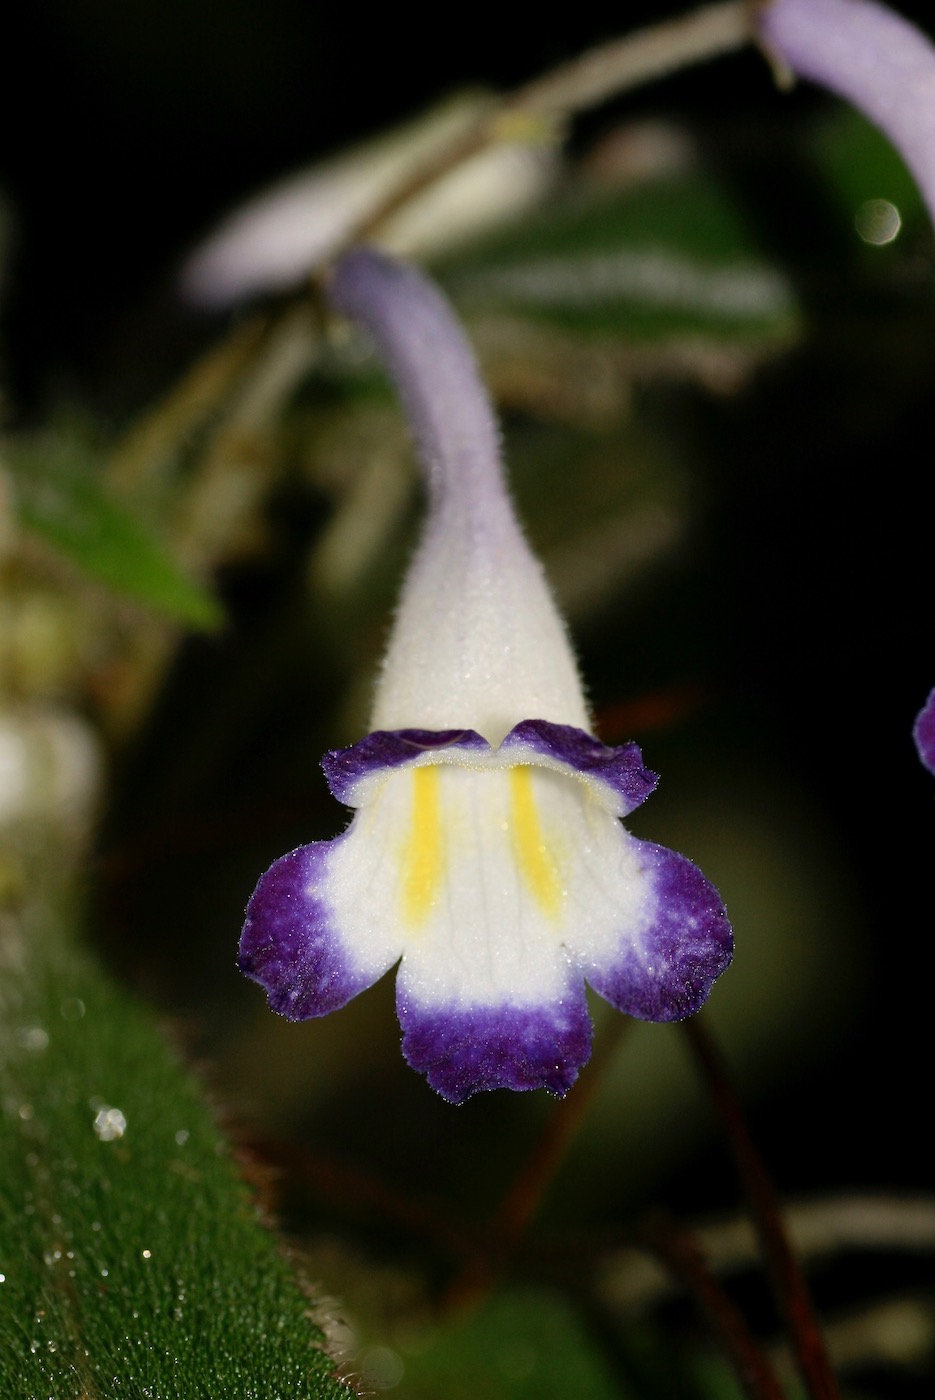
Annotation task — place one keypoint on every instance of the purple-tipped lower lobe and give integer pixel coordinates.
(924, 733)
(288, 944)
(465, 1050)
(620, 768)
(661, 972)
(685, 948)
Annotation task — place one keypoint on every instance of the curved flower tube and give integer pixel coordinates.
(875, 59)
(486, 852)
(885, 66)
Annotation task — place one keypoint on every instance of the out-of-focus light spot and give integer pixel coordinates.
(109, 1124)
(33, 1038)
(381, 1368)
(877, 221)
(14, 772)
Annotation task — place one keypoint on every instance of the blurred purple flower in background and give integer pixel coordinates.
(885, 66)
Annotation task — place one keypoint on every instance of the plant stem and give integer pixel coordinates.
(789, 1285)
(530, 1186)
(538, 110)
(622, 64)
(679, 1249)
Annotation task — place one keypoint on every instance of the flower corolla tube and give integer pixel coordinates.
(885, 66)
(486, 854)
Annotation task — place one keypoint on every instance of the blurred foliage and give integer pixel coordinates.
(668, 259)
(516, 1345)
(58, 497)
(682, 346)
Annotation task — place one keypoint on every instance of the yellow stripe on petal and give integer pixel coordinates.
(535, 860)
(424, 856)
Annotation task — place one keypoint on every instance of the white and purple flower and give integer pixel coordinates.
(486, 855)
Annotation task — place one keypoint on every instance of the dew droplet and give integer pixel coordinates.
(381, 1367)
(877, 221)
(109, 1124)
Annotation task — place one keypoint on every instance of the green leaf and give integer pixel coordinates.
(132, 1258)
(59, 498)
(857, 164)
(520, 1345)
(671, 256)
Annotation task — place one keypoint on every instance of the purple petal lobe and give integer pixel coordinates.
(289, 944)
(621, 768)
(667, 973)
(344, 768)
(924, 733)
(464, 1050)
(876, 59)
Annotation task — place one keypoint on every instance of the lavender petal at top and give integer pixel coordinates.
(875, 59)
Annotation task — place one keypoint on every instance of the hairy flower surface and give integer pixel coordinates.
(486, 855)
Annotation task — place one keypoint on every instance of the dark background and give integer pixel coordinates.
(129, 128)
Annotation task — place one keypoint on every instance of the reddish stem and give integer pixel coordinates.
(531, 1184)
(681, 1252)
(789, 1286)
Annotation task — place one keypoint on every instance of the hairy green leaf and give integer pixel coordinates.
(133, 1262)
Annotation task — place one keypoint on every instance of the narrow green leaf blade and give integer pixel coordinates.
(60, 498)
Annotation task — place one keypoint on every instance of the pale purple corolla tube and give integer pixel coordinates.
(486, 855)
(456, 654)
(885, 66)
(874, 58)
